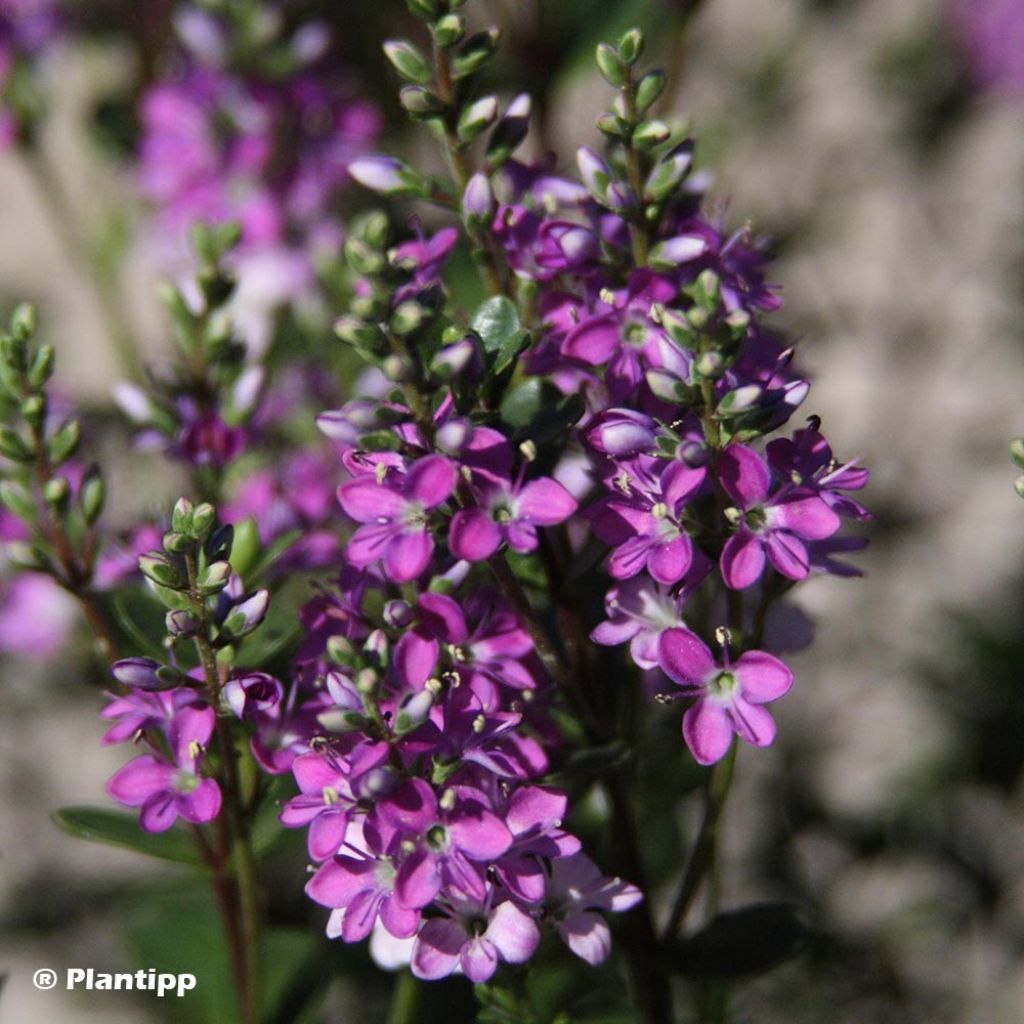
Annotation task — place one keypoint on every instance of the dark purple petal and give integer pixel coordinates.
(744, 475)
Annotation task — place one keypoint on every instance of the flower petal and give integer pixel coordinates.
(762, 676)
(707, 730)
(788, 554)
(752, 723)
(807, 516)
(594, 341)
(684, 657)
(408, 554)
(744, 475)
(138, 780)
(742, 559)
(668, 563)
(367, 501)
(514, 933)
(545, 502)
(430, 481)
(474, 535)
(437, 949)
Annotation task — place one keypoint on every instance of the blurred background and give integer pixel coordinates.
(879, 145)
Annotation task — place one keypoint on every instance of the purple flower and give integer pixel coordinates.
(360, 887)
(449, 838)
(394, 516)
(728, 697)
(475, 939)
(576, 890)
(776, 526)
(507, 512)
(640, 610)
(622, 335)
(642, 522)
(166, 791)
(329, 790)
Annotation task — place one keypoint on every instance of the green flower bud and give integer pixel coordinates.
(631, 45)
(420, 102)
(476, 118)
(41, 368)
(65, 442)
(649, 134)
(23, 322)
(648, 89)
(475, 53)
(91, 495)
(1017, 452)
(156, 568)
(610, 65)
(17, 499)
(449, 30)
(245, 546)
(13, 447)
(408, 61)
(181, 516)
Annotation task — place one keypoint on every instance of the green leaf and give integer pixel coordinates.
(749, 940)
(118, 828)
(523, 403)
(495, 322)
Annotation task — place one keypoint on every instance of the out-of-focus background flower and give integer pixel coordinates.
(880, 145)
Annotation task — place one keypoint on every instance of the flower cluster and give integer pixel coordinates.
(258, 130)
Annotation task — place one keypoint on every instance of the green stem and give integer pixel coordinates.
(242, 928)
(702, 859)
(405, 998)
(108, 300)
(635, 176)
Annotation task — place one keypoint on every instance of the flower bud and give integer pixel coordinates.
(398, 614)
(138, 673)
(475, 53)
(181, 624)
(449, 30)
(57, 493)
(478, 203)
(648, 89)
(675, 251)
(631, 46)
(408, 61)
(386, 175)
(413, 712)
(247, 615)
(594, 172)
(650, 134)
(622, 433)
(13, 447)
(610, 65)
(419, 101)
(33, 410)
(215, 578)
(453, 361)
(41, 369)
(667, 174)
(509, 131)
(476, 118)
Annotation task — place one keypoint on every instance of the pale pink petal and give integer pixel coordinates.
(514, 933)
(437, 949)
(809, 517)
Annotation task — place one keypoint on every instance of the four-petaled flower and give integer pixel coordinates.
(729, 697)
(394, 516)
(167, 790)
